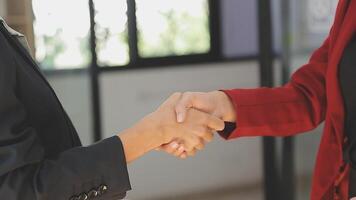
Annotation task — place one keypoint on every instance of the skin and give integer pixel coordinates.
(161, 127)
(216, 103)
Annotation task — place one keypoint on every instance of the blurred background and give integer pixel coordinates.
(113, 61)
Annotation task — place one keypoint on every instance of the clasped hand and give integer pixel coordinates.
(183, 124)
(196, 116)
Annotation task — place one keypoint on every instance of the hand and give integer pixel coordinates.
(216, 103)
(161, 127)
(196, 129)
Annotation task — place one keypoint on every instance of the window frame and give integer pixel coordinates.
(137, 62)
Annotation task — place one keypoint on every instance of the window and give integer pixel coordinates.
(111, 32)
(172, 27)
(62, 33)
(164, 28)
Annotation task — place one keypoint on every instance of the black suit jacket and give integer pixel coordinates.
(41, 157)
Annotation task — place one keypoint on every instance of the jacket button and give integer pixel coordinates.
(83, 196)
(93, 193)
(102, 189)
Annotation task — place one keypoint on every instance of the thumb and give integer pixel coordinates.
(181, 115)
(181, 108)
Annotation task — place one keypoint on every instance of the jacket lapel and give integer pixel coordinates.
(22, 39)
(21, 49)
(339, 18)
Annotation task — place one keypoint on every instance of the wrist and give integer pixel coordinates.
(140, 139)
(151, 131)
(226, 107)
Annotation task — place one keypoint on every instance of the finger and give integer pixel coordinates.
(179, 151)
(192, 152)
(191, 141)
(215, 123)
(209, 136)
(205, 133)
(175, 96)
(163, 147)
(206, 119)
(171, 147)
(183, 105)
(200, 146)
(183, 155)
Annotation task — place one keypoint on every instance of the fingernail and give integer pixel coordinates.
(181, 148)
(174, 145)
(180, 117)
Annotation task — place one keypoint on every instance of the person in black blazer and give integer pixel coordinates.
(41, 156)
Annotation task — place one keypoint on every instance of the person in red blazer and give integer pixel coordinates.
(312, 96)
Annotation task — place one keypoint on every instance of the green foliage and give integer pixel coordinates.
(54, 46)
(185, 34)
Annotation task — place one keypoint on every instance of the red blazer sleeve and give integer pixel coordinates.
(296, 107)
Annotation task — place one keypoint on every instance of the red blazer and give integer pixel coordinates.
(311, 97)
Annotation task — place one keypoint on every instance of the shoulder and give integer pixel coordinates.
(7, 64)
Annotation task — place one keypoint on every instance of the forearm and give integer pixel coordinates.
(282, 111)
(140, 139)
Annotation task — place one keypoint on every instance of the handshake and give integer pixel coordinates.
(181, 126)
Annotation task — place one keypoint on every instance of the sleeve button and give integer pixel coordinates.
(83, 196)
(93, 193)
(74, 198)
(103, 189)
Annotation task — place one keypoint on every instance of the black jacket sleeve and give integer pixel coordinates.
(96, 171)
